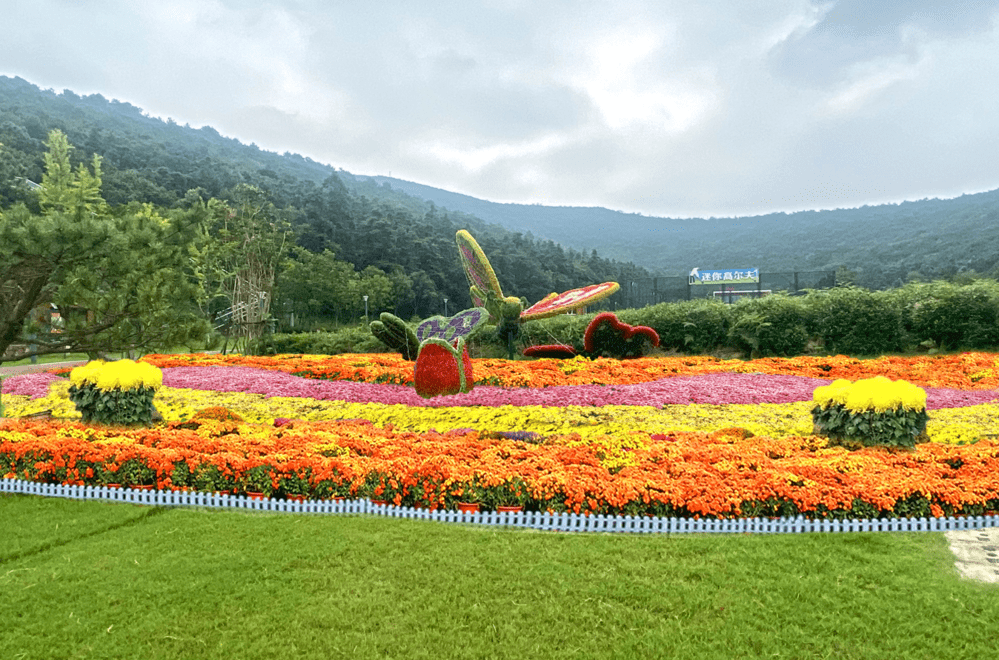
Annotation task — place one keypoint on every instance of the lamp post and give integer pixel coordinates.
(445, 307)
(365, 310)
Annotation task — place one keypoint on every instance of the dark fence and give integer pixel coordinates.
(641, 293)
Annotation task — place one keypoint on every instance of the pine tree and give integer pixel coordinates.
(64, 191)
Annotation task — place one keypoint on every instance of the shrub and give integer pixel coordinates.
(854, 321)
(692, 326)
(952, 316)
(115, 393)
(346, 340)
(773, 325)
(874, 411)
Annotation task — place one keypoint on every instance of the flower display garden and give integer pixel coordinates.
(663, 436)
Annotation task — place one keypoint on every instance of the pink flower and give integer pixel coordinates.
(35, 386)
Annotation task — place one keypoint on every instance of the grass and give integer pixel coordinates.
(47, 359)
(77, 357)
(98, 580)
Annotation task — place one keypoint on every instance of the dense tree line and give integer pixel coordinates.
(372, 240)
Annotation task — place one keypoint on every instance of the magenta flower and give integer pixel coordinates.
(32, 385)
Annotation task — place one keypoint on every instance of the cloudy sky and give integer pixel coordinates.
(711, 108)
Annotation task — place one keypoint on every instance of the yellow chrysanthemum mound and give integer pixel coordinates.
(118, 375)
(873, 411)
(115, 393)
(878, 394)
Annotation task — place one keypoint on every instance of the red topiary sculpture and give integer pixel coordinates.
(557, 351)
(608, 337)
(443, 368)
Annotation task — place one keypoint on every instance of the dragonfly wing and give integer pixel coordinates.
(554, 304)
(477, 268)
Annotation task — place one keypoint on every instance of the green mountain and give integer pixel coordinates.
(884, 244)
(389, 223)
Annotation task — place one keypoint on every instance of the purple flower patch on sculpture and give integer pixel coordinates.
(462, 324)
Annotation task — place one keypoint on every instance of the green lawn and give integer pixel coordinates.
(101, 580)
(47, 359)
(78, 357)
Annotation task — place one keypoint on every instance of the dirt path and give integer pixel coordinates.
(35, 368)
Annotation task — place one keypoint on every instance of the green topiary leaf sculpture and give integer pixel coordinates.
(484, 288)
(443, 368)
(396, 334)
(463, 324)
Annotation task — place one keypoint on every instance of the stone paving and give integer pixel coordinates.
(977, 553)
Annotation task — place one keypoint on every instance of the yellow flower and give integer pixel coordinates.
(912, 397)
(861, 396)
(878, 394)
(108, 379)
(86, 373)
(122, 374)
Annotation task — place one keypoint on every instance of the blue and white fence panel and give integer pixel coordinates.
(541, 520)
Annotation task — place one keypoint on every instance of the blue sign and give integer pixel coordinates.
(729, 276)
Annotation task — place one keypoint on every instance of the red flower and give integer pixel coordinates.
(557, 351)
(606, 333)
(439, 371)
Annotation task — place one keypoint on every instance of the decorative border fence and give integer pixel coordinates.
(558, 522)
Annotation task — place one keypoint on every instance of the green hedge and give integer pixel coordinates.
(953, 317)
(854, 321)
(844, 320)
(346, 340)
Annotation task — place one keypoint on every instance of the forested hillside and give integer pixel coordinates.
(364, 240)
(884, 245)
(406, 230)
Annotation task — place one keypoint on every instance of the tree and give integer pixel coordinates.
(65, 191)
(315, 286)
(374, 283)
(402, 290)
(320, 287)
(15, 173)
(118, 282)
(249, 242)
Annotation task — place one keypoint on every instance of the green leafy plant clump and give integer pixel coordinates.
(871, 412)
(396, 334)
(901, 428)
(115, 393)
(114, 407)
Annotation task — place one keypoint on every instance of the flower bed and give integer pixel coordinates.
(665, 436)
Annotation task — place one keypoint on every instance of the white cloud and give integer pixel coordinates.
(475, 159)
(627, 89)
(868, 79)
(794, 25)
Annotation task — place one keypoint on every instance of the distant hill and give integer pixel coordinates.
(884, 244)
